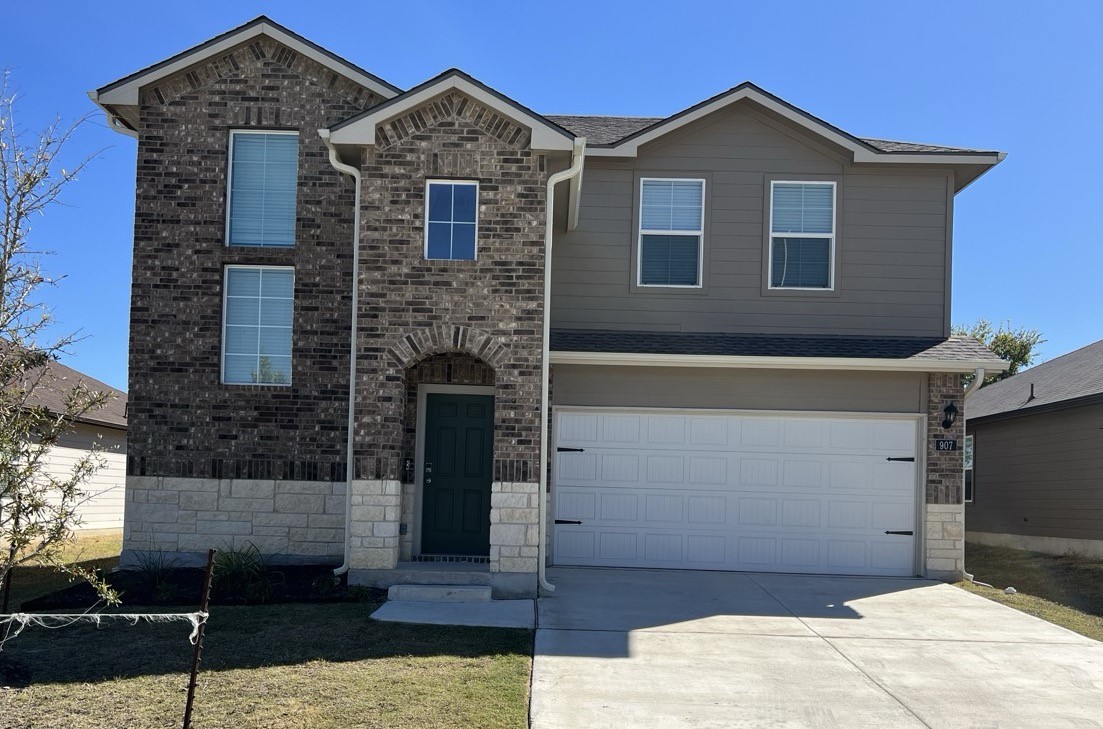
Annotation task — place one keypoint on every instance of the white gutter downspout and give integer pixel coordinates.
(978, 380)
(577, 159)
(349, 470)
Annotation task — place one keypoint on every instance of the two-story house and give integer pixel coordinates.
(389, 328)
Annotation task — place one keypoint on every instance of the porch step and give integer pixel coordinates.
(439, 593)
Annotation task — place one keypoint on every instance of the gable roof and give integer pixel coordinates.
(1065, 380)
(61, 379)
(360, 129)
(608, 130)
(124, 91)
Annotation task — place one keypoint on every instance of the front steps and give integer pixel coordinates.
(439, 593)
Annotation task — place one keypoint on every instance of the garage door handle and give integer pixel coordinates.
(570, 450)
(566, 521)
(901, 533)
(909, 459)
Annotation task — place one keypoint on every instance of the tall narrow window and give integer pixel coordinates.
(968, 459)
(451, 219)
(672, 220)
(802, 235)
(256, 336)
(264, 169)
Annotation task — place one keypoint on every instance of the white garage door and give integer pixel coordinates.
(719, 491)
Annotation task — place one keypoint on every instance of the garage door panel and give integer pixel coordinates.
(738, 492)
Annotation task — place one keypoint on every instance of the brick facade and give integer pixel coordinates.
(945, 478)
(944, 513)
(183, 421)
(490, 308)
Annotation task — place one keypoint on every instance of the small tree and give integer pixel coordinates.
(37, 508)
(1017, 346)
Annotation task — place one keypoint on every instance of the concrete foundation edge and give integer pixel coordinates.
(1045, 545)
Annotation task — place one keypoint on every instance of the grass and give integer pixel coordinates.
(100, 550)
(1065, 590)
(291, 665)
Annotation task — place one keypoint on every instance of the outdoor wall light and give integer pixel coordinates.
(951, 415)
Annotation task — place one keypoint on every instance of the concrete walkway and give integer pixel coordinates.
(643, 648)
(486, 614)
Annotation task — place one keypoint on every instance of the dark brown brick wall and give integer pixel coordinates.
(945, 479)
(411, 308)
(182, 421)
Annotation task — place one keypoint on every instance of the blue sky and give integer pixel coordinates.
(1005, 75)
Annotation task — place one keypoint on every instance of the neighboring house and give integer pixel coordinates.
(750, 350)
(103, 429)
(1035, 478)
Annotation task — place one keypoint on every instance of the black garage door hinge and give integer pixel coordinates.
(566, 521)
(909, 459)
(570, 450)
(901, 533)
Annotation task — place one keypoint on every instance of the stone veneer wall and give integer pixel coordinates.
(183, 422)
(287, 519)
(944, 533)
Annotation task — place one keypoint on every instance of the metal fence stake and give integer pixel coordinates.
(204, 606)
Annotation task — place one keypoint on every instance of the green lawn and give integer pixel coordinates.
(293, 665)
(1066, 590)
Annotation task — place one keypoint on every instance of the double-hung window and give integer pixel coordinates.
(672, 221)
(451, 219)
(968, 458)
(264, 169)
(256, 332)
(802, 235)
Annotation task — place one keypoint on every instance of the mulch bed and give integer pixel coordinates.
(183, 586)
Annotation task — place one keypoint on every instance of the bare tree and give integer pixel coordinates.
(37, 507)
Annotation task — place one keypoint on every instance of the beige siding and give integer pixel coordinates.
(103, 507)
(891, 240)
(676, 387)
(1039, 475)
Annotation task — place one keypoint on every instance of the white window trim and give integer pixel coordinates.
(445, 181)
(973, 468)
(828, 236)
(222, 344)
(700, 235)
(230, 183)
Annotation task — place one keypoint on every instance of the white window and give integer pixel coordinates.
(672, 221)
(451, 219)
(802, 235)
(256, 329)
(968, 459)
(263, 175)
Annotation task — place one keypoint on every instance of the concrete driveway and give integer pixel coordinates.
(649, 648)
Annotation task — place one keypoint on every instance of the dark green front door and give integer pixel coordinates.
(459, 436)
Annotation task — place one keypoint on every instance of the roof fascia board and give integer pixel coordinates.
(125, 91)
(865, 364)
(361, 131)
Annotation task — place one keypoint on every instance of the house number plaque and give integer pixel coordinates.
(945, 444)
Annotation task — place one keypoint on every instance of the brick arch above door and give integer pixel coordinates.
(444, 338)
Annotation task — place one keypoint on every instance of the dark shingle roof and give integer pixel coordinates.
(1068, 377)
(768, 345)
(612, 129)
(53, 389)
(603, 129)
